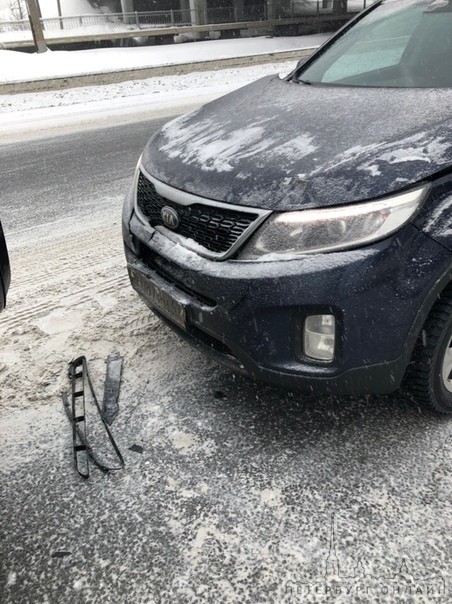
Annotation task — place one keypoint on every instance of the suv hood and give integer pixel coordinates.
(279, 145)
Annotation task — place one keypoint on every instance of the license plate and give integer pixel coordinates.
(159, 299)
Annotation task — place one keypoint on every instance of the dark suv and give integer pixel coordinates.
(299, 229)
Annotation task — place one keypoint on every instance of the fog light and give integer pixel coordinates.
(319, 337)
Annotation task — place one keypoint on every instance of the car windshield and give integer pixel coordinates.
(399, 43)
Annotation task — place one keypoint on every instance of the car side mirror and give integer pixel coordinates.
(5, 270)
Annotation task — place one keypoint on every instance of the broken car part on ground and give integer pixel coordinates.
(82, 389)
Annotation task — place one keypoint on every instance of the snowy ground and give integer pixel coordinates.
(242, 492)
(19, 66)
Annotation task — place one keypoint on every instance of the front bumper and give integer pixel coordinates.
(250, 315)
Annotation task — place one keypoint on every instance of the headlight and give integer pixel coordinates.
(290, 234)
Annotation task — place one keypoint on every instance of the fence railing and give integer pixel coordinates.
(107, 22)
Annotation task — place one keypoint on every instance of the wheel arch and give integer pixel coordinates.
(441, 285)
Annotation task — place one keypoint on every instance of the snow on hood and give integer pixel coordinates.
(280, 145)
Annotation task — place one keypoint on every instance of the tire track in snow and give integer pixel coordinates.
(64, 273)
(72, 300)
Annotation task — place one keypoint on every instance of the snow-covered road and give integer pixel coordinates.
(242, 493)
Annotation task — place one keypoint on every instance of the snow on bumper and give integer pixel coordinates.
(250, 315)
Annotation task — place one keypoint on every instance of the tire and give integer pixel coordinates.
(429, 376)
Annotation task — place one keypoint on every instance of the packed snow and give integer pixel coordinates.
(18, 66)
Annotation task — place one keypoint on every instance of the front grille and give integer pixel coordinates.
(215, 228)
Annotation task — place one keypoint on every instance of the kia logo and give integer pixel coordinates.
(169, 217)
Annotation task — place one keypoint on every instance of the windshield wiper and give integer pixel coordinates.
(306, 82)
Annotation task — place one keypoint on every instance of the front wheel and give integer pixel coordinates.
(429, 377)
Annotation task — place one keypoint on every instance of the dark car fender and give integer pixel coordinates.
(5, 271)
(440, 285)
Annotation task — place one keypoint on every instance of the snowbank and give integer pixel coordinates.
(18, 66)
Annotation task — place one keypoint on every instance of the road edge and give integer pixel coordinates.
(124, 75)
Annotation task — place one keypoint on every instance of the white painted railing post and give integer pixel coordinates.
(36, 25)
